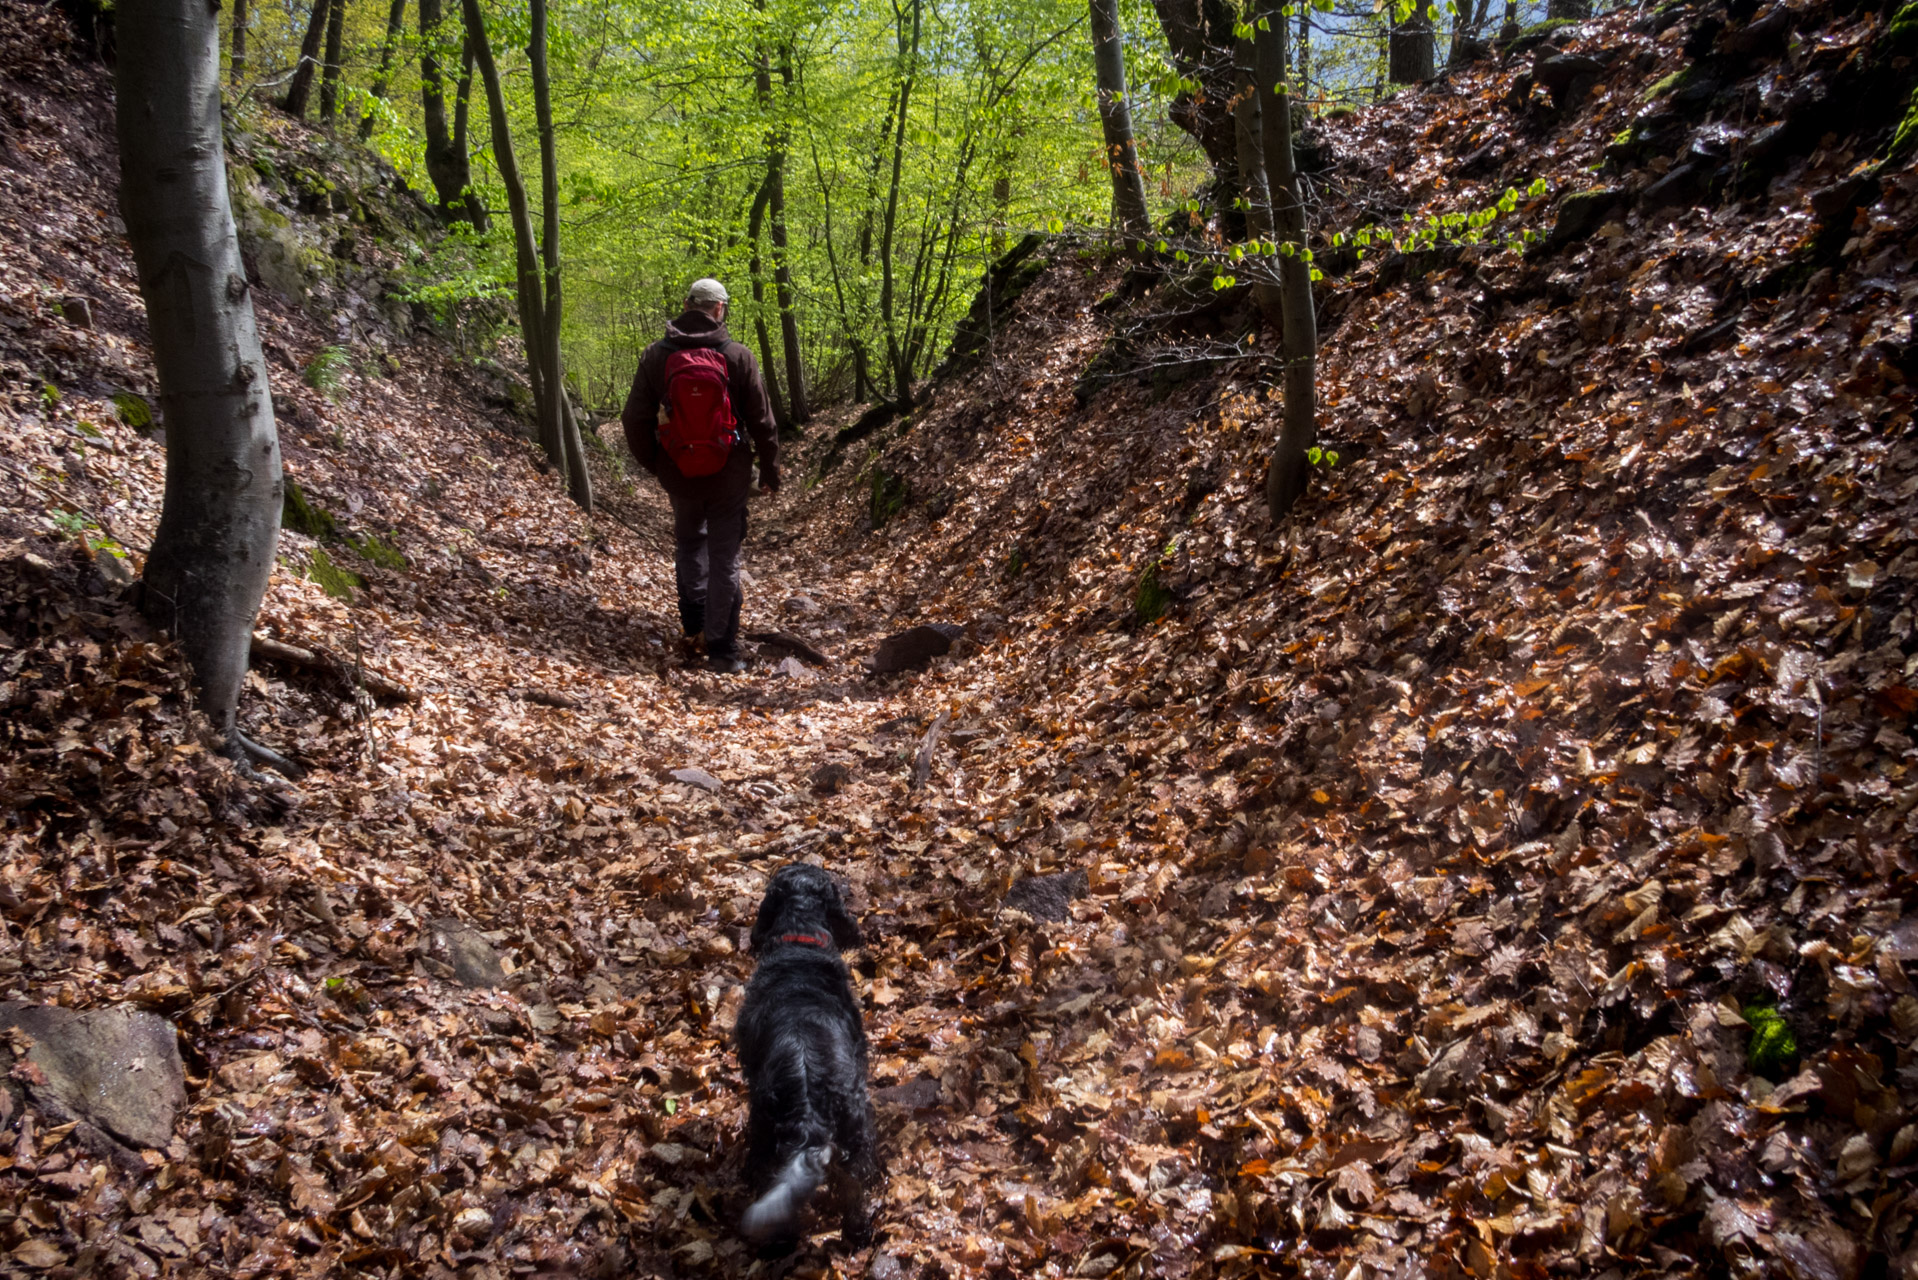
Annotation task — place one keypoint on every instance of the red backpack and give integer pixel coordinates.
(700, 430)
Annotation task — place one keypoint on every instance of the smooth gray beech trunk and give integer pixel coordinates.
(1115, 115)
(782, 265)
(1286, 476)
(213, 553)
(1250, 137)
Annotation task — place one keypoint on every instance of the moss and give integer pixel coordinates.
(301, 516)
(1901, 36)
(1676, 80)
(1907, 135)
(1151, 599)
(1772, 1043)
(889, 494)
(330, 578)
(377, 550)
(134, 410)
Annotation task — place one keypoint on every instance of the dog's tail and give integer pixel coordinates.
(775, 1213)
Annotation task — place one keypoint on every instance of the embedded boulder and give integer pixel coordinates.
(118, 1068)
(913, 648)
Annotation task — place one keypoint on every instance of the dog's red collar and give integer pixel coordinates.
(810, 939)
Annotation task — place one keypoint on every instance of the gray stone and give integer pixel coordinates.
(465, 950)
(696, 777)
(118, 1067)
(78, 311)
(804, 606)
(913, 648)
(1048, 897)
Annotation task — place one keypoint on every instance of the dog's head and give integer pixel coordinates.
(801, 897)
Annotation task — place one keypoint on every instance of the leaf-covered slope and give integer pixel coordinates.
(1455, 824)
(1434, 845)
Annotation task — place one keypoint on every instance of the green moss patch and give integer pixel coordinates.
(330, 578)
(889, 494)
(1773, 1046)
(133, 410)
(301, 516)
(377, 550)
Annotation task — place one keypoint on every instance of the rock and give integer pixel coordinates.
(78, 312)
(828, 778)
(116, 1067)
(913, 648)
(1684, 184)
(465, 951)
(1048, 897)
(804, 606)
(1566, 76)
(791, 667)
(921, 1094)
(1582, 213)
(693, 776)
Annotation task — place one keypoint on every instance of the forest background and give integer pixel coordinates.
(755, 140)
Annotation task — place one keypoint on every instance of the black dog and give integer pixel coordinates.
(802, 1045)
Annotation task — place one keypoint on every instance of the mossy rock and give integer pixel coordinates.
(1901, 35)
(1151, 599)
(1530, 38)
(890, 493)
(134, 410)
(377, 550)
(301, 516)
(331, 578)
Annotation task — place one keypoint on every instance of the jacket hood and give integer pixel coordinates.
(696, 329)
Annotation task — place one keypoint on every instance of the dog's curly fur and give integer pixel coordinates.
(802, 1045)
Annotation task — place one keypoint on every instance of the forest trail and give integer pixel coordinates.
(1430, 864)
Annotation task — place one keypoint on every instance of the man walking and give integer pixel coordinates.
(710, 388)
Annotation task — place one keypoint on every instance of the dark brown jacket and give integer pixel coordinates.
(750, 409)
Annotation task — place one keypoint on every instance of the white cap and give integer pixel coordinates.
(707, 291)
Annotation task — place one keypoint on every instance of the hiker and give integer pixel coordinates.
(710, 388)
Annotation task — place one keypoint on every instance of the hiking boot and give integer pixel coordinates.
(726, 664)
(692, 646)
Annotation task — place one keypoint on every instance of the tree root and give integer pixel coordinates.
(245, 752)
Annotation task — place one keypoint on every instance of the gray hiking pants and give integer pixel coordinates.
(707, 534)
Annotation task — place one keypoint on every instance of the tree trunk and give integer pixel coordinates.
(1508, 30)
(472, 206)
(579, 480)
(1251, 146)
(1413, 47)
(1115, 116)
(896, 356)
(1465, 31)
(756, 268)
(1288, 472)
(237, 72)
(1198, 34)
(301, 88)
(213, 553)
(335, 60)
(447, 164)
(526, 254)
(782, 263)
(395, 24)
(1305, 51)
